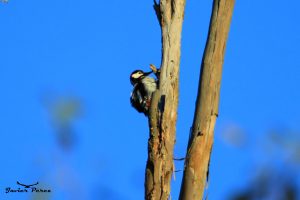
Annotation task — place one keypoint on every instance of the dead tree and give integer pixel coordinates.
(163, 110)
(206, 112)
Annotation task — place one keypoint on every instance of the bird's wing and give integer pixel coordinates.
(33, 184)
(21, 184)
(136, 99)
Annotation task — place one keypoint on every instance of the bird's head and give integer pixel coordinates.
(138, 75)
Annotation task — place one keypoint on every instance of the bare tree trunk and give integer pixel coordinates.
(163, 111)
(206, 112)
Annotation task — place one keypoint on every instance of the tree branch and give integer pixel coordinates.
(157, 11)
(206, 112)
(163, 110)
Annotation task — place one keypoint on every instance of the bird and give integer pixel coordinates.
(143, 88)
(27, 186)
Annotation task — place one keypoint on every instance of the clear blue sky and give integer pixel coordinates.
(87, 49)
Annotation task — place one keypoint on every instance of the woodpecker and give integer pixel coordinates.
(143, 87)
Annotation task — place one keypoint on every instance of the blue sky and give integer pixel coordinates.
(87, 49)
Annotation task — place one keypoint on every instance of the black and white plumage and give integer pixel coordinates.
(143, 87)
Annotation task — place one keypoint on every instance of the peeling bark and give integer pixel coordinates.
(163, 110)
(206, 112)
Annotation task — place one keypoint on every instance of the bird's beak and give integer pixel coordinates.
(147, 73)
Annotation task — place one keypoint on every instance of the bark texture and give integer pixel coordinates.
(206, 112)
(163, 110)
